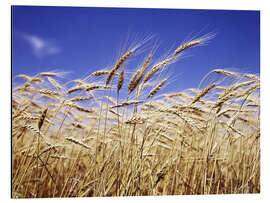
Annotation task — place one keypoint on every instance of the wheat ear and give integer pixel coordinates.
(42, 118)
(203, 93)
(121, 80)
(186, 46)
(156, 68)
(156, 88)
(118, 64)
(137, 77)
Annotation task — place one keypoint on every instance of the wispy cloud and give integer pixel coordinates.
(41, 47)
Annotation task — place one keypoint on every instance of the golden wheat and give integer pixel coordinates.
(194, 141)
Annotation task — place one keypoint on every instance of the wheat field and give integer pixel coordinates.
(113, 133)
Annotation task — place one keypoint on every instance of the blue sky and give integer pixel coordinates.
(82, 40)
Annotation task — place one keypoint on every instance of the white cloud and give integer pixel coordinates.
(42, 47)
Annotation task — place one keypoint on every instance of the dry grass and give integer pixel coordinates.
(199, 141)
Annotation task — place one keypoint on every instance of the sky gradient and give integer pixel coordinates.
(81, 40)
